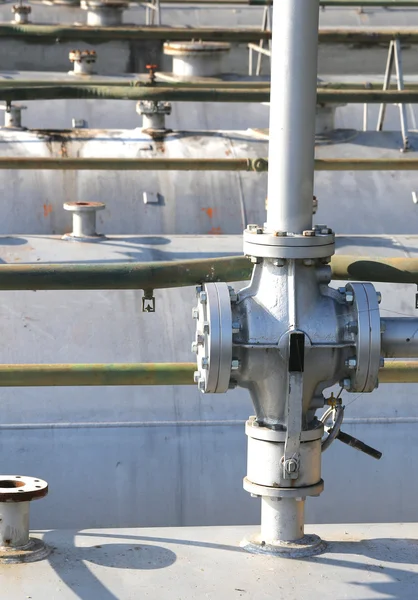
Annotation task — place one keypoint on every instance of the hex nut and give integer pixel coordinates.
(379, 297)
(232, 384)
(206, 327)
(352, 327)
(349, 297)
(196, 376)
(235, 364)
(195, 313)
(202, 385)
(351, 363)
(203, 297)
(232, 294)
(309, 233)
(291, 465)
(205, 363)
(346, 384)
(194, 347)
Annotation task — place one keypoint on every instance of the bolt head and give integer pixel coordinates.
(232, 294)
(379, 297)
(351, 363)
(196, 376)
(341, 290)
(202, 385)
(280, 233)
(352, 327)
(205, 363)
(235, 364)
(195, 313)
(206, 327)
(203, 297)
(308, 262)
(349, 297)
(252, 227)
(198, 290)
(194, 347)
(346, 384)
(200, 339)
(236, 327)
(291, 465)
(309, 233)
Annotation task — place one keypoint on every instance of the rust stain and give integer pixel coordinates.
(209, 211)
(47, 209)
(228, 152)
(215, 231)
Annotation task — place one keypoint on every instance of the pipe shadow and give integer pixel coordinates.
(71, 562)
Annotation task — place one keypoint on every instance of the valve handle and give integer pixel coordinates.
(353, 442)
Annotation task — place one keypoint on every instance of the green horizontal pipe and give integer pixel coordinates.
(159, 275)
(209, 94)
(135, 164)
(323, 3)
(367, 35)
(328, 35)
(144, 92)
(97, 374)
(199, 164)
(64, 375)
(366, 164)
(60, 33)
(367, 96)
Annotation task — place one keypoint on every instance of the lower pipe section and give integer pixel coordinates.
(400, 337)
(282, 519)
(14, 524)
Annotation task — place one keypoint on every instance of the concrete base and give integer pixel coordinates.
(361, 561)
(309, 545)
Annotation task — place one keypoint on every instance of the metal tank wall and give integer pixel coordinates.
(120, 456)
(189, 202)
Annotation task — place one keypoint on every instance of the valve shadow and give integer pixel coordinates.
(74, 564)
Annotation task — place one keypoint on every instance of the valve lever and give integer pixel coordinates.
(353, 442)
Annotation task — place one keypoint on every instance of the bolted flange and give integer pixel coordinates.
(16, 492)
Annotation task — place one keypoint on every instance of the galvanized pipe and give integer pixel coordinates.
(292, 115)
(154, 374)
(198, 164)
(68, 375)
(400, 337)
(164, 275)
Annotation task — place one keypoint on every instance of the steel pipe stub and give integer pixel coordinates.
(84, 221)
(316, 243)
(16, 492)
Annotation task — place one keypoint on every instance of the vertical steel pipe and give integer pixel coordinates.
(292, 115)
(282, 519)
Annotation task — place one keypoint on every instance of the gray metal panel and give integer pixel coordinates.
(362, 561)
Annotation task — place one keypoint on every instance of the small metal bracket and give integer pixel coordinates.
(148, 301)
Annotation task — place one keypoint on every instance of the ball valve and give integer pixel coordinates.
(287, 337)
